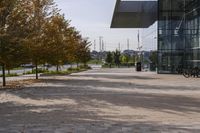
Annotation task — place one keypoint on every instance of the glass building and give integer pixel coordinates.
(178, 34)
(178, 29)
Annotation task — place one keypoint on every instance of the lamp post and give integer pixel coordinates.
(100, 47)
(138, 62)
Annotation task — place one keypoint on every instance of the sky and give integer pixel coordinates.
(93, 19)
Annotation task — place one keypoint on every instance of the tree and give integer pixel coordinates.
(78, 50)
(34, 31)
(71, 41)
(125, 59)
(40, 11)
(10, 48)
(84, 51)
(109, 59)
(133, 59)
(17, 29)
(117, 55)
(56, 40)
(154, 57)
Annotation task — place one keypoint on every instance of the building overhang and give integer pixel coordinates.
(134, 14)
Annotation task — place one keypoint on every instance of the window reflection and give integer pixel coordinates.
(178, 34)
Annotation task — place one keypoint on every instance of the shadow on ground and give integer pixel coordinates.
(90, 98)
(114, 76)
(83, 91)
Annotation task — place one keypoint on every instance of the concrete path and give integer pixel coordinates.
(103, 101)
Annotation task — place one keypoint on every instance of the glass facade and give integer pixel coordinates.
(178, 34)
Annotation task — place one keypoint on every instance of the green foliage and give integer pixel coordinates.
(34, 71)
(82, 53)
(33, 31)
(73, 69)
(117, 55)
(116, 59)
(68, 71)
(10, 48)
(10, 75)
(109, 58)
(17, 68)
(154, 57)
(125, 59)
(57, 73)
(80, 68)
(56, 28)
(83, 67)
(95, 62)
(106, 65)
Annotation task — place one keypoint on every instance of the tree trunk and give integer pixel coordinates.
(44, 67)
(128, 65)
(110, 65)
(77, 65)
(47, 68)
(8, 71)
(4, 74)
(57, 68)
(85, 65)
(36, 70)
(32, 69)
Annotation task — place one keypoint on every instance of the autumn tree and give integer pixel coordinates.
(56, 37)
(17, 29)
(71, 41)
(84, 51)
(10, 46)
(40, 11)
(34, 31)
(74, 46)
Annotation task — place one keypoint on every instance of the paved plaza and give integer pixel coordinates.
(103, 101)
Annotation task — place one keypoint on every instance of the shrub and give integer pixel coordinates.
(72, 69)
(10, 75)
(57, 72)
(34, 71)
(84, 67)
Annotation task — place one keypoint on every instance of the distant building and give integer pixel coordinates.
(129, 52)
(94, 55)
(98, 55)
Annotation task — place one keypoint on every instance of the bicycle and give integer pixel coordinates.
(192, 72)
(179, 70)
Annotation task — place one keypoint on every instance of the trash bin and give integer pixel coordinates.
(138, 66)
